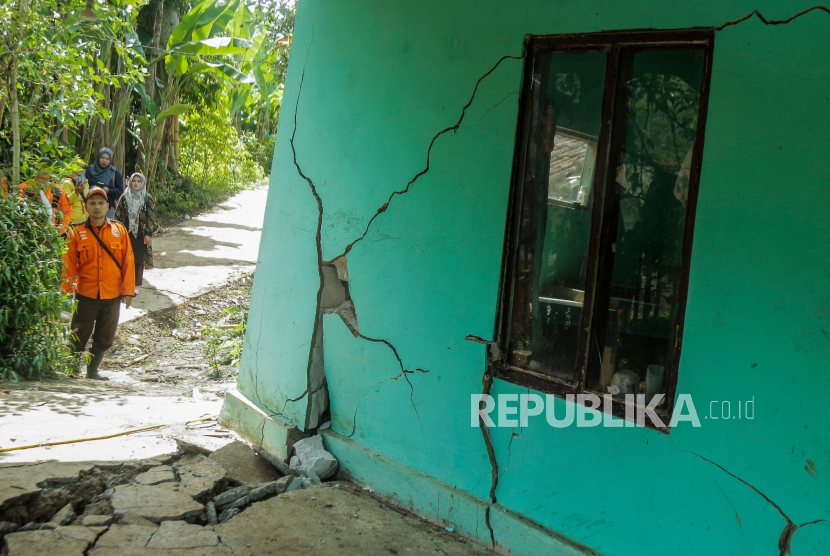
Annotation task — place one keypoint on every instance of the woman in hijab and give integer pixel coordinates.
(137, 211)
(107, 176)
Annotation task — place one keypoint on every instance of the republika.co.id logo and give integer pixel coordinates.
(515, 410)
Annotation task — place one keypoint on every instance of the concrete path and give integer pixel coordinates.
(202, 253)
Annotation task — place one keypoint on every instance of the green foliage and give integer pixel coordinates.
(213, 343)
(213, 155)
(182, 196)
(261, 151)
(61, 71)
(32, 340)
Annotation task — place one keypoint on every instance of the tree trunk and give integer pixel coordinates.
(150, 87)
(15, 117)
(15, 102)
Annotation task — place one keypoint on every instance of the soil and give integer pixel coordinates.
(193, 345)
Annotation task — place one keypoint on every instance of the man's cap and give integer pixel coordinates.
(96, 191)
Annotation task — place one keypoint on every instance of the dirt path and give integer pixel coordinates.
(174, 357)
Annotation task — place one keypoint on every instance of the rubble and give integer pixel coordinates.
(199, 476)
(242, 464)
(96, 520)
(64, 516)
(156, 475)
(230, 495)
(155, 503)
(313, 460)
(61, 541)
(274, 460)
(227, 514)
(134, 519)
(210, 513)
(256, 494)
(178, 534)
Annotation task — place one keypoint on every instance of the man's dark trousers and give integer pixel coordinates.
(97, 318)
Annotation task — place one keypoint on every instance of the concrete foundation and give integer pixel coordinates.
(275, 434)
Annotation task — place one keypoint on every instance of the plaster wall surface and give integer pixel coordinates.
(379, 81)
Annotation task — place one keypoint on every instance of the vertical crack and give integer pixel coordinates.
(486, 386)
(319, 244)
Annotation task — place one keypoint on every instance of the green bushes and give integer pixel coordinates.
(32, 339)
(261, 151)
(181, 196)
(214, 164)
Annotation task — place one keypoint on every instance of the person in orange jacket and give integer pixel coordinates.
(100, 255)
(55, 198)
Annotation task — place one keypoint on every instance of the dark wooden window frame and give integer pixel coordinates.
(613, 42)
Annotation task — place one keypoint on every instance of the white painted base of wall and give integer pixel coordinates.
(445, 504)
(272, 432)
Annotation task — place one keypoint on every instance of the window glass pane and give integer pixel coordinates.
(650, 158)
(549, 278)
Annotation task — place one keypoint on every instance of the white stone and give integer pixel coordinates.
(312, 456)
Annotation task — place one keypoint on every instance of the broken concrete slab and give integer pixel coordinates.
(339, 522)
(210, 513)
(156, 475)
(130, 518)
(61, 541)
(199, 476)
(257, 494)
(282, 484)
(243, 465)
(191, 448)
(278, 464)
(227, 514)
(313, 457)
(7, 527)
(230, 495)
(36, 526)
(295, 484)
(256, 425)
(126, 535)
(38, 543)
(179, 535)
(64, 516)
(157, 503)
(96, 520)
(17, 482)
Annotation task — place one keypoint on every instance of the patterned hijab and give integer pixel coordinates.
(135, 201)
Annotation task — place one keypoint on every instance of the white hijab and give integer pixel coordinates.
(135, 201)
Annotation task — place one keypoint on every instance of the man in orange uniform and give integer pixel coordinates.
(100, 253)
(55, 197)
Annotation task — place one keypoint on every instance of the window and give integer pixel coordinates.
(602, 208)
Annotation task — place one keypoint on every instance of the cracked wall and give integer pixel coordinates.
(379, 82)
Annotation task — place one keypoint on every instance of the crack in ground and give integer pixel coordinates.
(454, 127)
(769, 21)
(790, 528)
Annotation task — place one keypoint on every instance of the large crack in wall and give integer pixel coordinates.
(316, 381)
(786, 537)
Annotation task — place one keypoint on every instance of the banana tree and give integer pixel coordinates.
(202, 32)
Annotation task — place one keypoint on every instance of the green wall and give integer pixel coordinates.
(380, 80)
